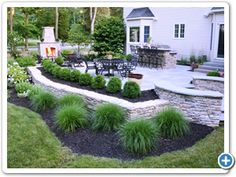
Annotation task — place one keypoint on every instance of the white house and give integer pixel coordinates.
(187, 30)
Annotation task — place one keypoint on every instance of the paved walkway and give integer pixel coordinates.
(179, 76)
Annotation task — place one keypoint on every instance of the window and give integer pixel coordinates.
(134, 34)
(146, 33)
(179, 31)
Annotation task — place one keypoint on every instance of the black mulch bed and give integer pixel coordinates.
(106, 144)
(145, 95)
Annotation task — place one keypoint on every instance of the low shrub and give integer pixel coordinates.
(74, 75)
(34, 91)
(129, 57)
(85, 79)
(98, 82)
(171, 123)
(114, 85)
(71, 99)
(64, 74)
(56, 71)
(213, 73)
(59, 60)
(69, 118)
(138, 136)
(108, 117)
(131, 90)
(43, 100)
(23, 87)
(48, 65)
(26, 61)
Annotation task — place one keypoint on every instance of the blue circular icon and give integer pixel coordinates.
(225, 160)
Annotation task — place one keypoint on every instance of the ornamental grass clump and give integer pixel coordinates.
(71, 99)
(108, 117)
(114, 85)
(131, 90)
(43, 100)
(171, 123)
(85, 79)
(98, 82)
(71, 117)
(138, 137)
(34, 91)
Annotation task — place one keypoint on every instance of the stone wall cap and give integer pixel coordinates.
(210, 78)
(37, 75)
(185, 91)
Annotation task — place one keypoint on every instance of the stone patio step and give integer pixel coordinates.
(211, 68)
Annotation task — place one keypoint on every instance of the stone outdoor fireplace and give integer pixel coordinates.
(49, 48)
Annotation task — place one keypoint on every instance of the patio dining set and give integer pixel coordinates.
(102, 66)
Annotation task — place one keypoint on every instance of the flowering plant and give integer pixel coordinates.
(16, 74)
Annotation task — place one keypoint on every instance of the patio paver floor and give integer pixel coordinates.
(179, 76)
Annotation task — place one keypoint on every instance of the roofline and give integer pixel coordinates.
(141, 18)
(214, 11)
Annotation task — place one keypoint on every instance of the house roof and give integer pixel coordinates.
(217, 8)
(140, 12)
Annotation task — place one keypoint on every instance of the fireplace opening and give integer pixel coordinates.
(50, 51)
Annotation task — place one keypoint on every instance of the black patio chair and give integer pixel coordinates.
(119, 67)
(106, 66)
(39, 59)
(90, 66)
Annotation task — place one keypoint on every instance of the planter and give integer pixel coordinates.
(135, 77)
(109, 57)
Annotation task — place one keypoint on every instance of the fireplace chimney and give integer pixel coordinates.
(49, 47)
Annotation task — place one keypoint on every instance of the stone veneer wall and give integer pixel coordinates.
(209, 83)
(203, 107)
(145, 109)
(150, 58)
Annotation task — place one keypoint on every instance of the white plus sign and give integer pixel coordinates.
(225, 160)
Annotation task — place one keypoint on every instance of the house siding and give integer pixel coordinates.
(197, 39)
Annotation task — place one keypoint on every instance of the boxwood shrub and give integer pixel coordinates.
(114, 85)
(74, 75)
(131, 90)
(171, 123)
(69, 118)
(56, 71)
(138, 136)
(108, 117)
(85, 79)
(98, 82)
(59, 60)
(64, 74)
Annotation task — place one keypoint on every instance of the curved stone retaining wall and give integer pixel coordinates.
(145, 109)
(199, 106)
(209, 83)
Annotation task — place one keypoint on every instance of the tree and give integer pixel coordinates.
(109, 35)
(93, 13)
(25, 28)
(13, 39)
(78, 35)
(56, 25)
(63, 24)
(11, 11)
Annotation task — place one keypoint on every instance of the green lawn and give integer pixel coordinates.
(32, 144)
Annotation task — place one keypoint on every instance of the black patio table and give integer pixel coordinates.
(108, 65)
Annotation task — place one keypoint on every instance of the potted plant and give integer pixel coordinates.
(194, 66)
(109, 54)
(135, 77)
